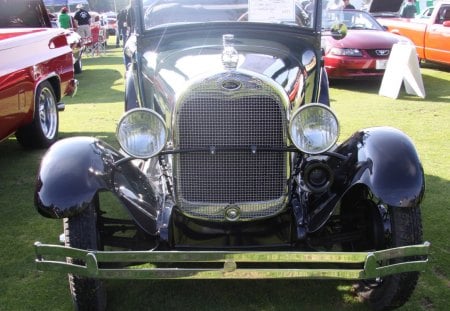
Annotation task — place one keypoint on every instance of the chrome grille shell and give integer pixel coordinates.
(231, 115)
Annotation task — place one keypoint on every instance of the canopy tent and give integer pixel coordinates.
(64, 2)
(55, 5)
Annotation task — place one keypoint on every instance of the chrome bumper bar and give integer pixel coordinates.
(232, 264)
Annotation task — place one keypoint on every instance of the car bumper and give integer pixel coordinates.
(351, 68)
(232, 264)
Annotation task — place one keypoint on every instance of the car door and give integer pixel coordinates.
(16, 90)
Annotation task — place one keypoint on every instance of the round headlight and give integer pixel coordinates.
(314, 128)
(141, 133)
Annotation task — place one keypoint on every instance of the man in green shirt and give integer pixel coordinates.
(64, 19)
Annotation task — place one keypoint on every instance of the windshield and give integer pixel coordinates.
(294, 12)
(352, 19)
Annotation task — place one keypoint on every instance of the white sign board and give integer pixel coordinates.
(271, 10)
(402, 66)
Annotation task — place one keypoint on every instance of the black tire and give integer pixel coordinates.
(78, 66)
(393, 291)
(81, 231)
(43, 130)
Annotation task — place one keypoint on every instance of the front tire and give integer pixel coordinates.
(43, 130)
(81, 231)
(393, 291)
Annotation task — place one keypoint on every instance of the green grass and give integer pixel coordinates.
(95, 110)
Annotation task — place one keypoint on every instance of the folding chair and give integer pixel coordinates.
(93, 45)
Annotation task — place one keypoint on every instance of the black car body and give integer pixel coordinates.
(229, 166)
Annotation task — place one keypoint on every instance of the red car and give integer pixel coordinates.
(363, 52)
(36, 74)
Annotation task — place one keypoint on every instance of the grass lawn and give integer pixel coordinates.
(95, 110)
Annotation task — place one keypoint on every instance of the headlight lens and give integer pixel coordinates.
(314, 128)
(346, 52)
(141, 133)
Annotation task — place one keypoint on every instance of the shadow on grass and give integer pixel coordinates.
(439, 92)
(16, 160)
(221, 295)
(108, 137)
(102, 60)
(370, 86)
(96, 86)
(435, 66)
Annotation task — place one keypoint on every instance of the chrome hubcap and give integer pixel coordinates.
(48, 115)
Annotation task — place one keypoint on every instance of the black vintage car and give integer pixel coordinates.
(229, 165)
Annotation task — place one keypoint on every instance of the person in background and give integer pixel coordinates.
(130, 24)
(121, 27)
(409, 10)
(130, 19)
(83, 20)
(64, 19)
(129, 30)
(348, 5)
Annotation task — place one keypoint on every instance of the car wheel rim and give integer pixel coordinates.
(48, 115)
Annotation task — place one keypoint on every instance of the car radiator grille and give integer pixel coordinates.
(230, 125)
(379, 53)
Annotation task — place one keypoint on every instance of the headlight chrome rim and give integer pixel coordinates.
(154, 131)
(329, 143)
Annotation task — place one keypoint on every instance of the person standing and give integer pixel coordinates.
(409, 10)
(64, 19)
(121, 27)
(348, 5)
(83, 20)
(130, 25)
(130, 19)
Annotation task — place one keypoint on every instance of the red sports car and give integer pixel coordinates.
(363, 52)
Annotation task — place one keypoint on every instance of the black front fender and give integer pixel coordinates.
(75, 169)
(386, 161)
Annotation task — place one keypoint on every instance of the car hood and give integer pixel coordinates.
(23, 13)
(385, 6)
(174, 61)
(365, 39)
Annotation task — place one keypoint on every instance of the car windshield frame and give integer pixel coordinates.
(293, 13)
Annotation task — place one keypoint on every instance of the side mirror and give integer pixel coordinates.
(446, 24)
(338, 31)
